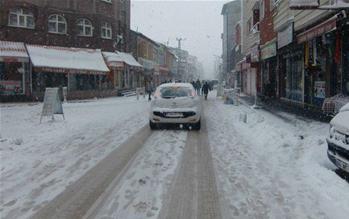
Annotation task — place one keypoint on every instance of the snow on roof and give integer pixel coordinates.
(13, 49)
(121, 57)
(74, 60)
(173, 84)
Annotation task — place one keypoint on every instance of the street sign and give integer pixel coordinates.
(52, 104)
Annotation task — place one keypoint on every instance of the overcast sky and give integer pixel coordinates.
(200, 22)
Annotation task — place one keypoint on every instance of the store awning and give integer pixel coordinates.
(117, 59)
(13, 52)
(318, 30)
(67, 60)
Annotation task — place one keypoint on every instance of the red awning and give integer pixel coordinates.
(326, 26)
(13, 52)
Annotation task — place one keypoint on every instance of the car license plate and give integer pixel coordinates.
(174, 115)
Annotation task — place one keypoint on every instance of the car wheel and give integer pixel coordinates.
(197, 126)
(152, 125)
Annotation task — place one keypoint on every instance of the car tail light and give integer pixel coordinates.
(157, 94)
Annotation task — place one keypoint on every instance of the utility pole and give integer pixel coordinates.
(179, 39)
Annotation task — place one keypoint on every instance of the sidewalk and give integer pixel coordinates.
(277, 106)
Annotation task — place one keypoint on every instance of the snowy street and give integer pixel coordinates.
(103, 161)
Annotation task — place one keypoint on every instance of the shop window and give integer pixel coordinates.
(57, 24)
(106, 31)
(85, 28)
(21, 18)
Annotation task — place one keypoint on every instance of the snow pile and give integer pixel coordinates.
(39, 160)
(273, 166)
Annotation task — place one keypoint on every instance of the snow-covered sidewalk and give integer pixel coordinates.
(272, 167)
(39, 160)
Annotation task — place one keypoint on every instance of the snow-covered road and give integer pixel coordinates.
(272, 166)
(39, 160)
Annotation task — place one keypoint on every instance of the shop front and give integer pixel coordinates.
(80, 70)
(290, 66)
(268, 69)
(14, 70)
(322, 61)
(127, 73)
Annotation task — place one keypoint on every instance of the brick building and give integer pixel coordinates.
(89, 26)
(70, 23)
(268, 41)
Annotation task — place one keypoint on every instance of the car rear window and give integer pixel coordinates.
(173, 92)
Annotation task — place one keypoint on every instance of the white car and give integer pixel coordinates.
(175, 104)
(338, 140)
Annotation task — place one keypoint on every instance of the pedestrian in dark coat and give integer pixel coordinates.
(205, 89)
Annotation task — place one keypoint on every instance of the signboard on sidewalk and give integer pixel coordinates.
(52, 104)
(320, 89)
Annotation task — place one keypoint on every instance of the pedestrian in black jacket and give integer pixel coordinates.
(205, 89)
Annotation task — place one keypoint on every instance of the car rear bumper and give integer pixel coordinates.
(188, 117)
(338, 156)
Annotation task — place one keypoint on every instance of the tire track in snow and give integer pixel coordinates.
(77, 198)
(194, 191)
(138, 193)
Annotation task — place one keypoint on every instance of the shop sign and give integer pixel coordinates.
(52, 104)
(13, 59)
(116, 64)
(318, 30)
(255, 54)
(147, 64)
(268, 51)
(68, 71)
(304, 4)
(320, 89)
(11, 87)
(285, 36)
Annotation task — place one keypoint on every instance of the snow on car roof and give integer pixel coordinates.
(345, 108)
(174, 84)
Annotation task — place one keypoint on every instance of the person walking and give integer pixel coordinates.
(149, 90)
(205, 89)
(198, 87)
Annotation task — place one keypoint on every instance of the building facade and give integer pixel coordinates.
(231, 12)
(55, 27)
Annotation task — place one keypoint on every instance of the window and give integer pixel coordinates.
(262, 10)
(106, 31)
(57, 24)
(108, 1)
(21, 18)
(85, 27)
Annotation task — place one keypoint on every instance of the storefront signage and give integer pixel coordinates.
(304, 4)
(147, 64)
(285, 36)
(320, 89)
(255, 54)
(68, 71)
(11, 87)
(268, 51)
(318, 30)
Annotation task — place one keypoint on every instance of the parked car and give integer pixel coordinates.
(338, 139)
(175, 104)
